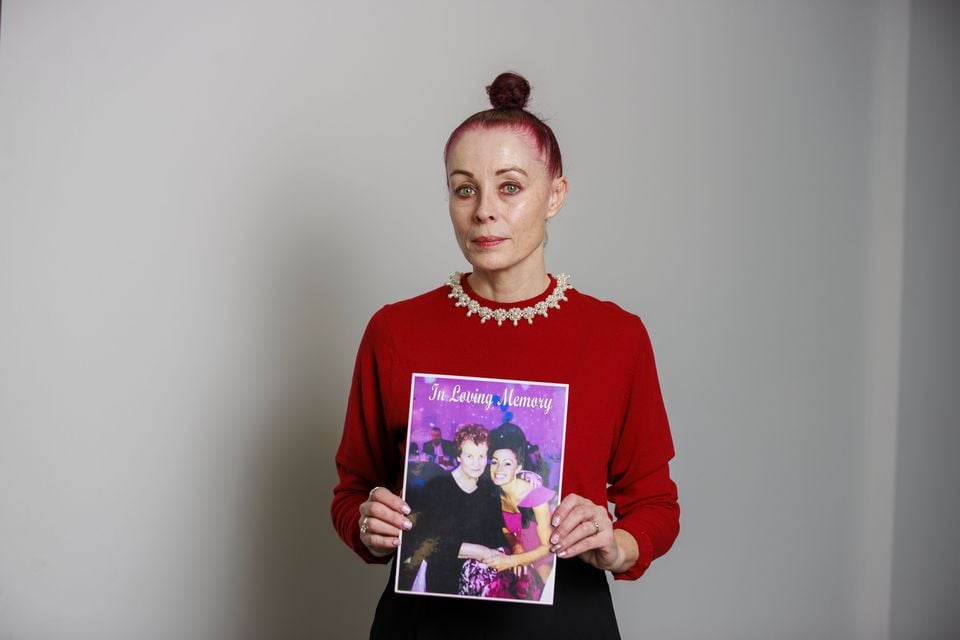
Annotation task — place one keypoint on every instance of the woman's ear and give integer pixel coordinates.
(558, 194)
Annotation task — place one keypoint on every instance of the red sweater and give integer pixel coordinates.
(618, 442)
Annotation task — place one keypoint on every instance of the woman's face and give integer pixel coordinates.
(503, 466)
(473, 458)
(501, 197)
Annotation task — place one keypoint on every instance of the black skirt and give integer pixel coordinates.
(582, 608)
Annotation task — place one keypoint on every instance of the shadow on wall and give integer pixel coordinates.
(303, 581)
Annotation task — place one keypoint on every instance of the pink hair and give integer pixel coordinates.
(508, 94)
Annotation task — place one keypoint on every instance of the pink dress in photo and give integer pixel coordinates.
(527, 536)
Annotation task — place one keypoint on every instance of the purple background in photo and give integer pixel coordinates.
(542, 429)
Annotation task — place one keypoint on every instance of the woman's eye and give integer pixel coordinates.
(465, 191)
(510, 189)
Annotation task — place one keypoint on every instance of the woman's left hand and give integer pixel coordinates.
(503, 562)
(499, 561)
(582, 528)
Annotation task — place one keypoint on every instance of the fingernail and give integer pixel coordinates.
(555, 539)
(407, 525)
(554, 549)
(395, 542)
(562, 553)
(556, 521)
(406, 509)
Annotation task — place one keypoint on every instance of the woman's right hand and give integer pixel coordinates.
(382, 516)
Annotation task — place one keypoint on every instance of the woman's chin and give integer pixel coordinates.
(491, 261)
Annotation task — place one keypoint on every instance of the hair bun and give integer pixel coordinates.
(509, 91)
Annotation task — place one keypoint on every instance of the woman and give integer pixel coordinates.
(525, 508)
(505, 181)
(456, 518)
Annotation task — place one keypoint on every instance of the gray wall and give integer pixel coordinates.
(926, 566)
(201, 203)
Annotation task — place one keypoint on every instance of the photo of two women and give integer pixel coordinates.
(483, 528)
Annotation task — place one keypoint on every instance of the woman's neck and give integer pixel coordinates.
(509, 286)
(516, 490)
(465, 482)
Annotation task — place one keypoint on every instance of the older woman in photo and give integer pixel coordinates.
(510, 318)
(456, 517)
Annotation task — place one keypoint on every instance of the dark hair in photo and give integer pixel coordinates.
(509, 436)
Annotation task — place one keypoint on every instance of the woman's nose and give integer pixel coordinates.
(486, 207)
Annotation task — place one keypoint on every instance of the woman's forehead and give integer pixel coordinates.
(495, 147)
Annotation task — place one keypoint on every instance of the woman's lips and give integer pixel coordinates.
(488, 242)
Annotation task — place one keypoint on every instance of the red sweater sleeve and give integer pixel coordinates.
(367, 456)
(644, 496)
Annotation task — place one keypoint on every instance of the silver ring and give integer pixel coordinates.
(370, 495)
(363, 525)
(595, 524)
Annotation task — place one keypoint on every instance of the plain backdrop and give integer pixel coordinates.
(202, 202)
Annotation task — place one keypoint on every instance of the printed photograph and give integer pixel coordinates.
(482, 477)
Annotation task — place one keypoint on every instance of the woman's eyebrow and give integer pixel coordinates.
(464, 172)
